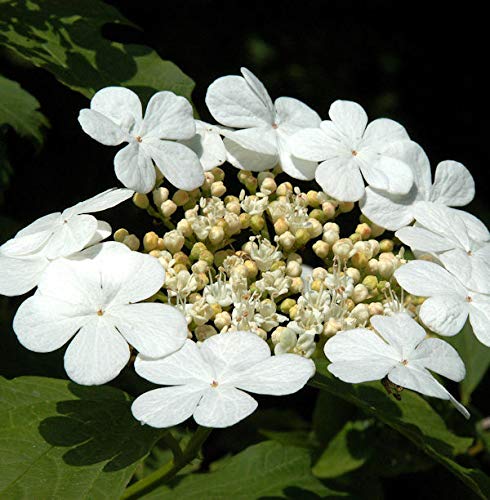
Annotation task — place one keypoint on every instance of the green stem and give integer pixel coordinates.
(170, 469)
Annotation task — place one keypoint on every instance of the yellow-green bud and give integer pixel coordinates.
(120, 234)
(218, 173)
(317, 285)
(233, 207)
(220, 256)
(371, 282)
(252, 268)
(312, 197)
(141, 200)
(302, 237)
(150, 241)
(293, 311)
(286, 305)
(281, 226)
(180, 198)
(207, 256)
(355, 237)
(132, 242)
(203, 332)
(386, 245)
(318, 214)
(359, 260)
(257, 223)
(321, 249)
(278, 264)
(245, 220)
(196, 250)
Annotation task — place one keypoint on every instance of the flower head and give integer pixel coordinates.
(400, 351)
(349, 150)
(115, 116)
(208, 380)
(91, 299)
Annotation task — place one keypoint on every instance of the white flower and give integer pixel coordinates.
(208, 145)
(264, 253)
(208, 380)
(23, 259)
(91, 300)
(453, 186)
(399, 351)
(347, 148)
(115, 116)
(219, 292)
(443, 232)
(274, 282)
(449, 303)
(266, 315)
(244, 103)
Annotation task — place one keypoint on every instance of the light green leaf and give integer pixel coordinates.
(347, 451)
(61, 440)
(476, 357)
(414, 418)
(268, 469)
(65, 38)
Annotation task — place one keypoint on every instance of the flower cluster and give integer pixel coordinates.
(243, 280)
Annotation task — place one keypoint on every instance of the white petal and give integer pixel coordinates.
(168, 116)
(444, 314)
(341, 179)
(476, 229)
(101, 128)
(480, 317)
(245, 159)
(45, 223)
(99, 202)
(424, 240)
(422, 381)
(97, 354)
(277, 375)
(72, 235)
(383, 131)
(359, 355)
(387, 174)
(208, 146)
(427, 279)
(119, 104)
(440, 357)
(155, 330)
(389, 211)
(453, 184)
(185, 366)
(312, 144)
(134, 168)
(414, 156)
(168, 406)
(349, 117)
(297, 168)
(43, 324)
(104, 230)
(25, 245)
(258, 88)
(19, 275)
(294, 113)
(400, 331)
(179, 164)
(262, 140)
(233, 352)
(223, 406)
(233, 103)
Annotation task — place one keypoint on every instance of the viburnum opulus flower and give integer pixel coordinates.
(91, 301)
(400, 351)
(208, 380)
(453, 186)
(441, 231)
(24, 258)
(449, 304)
(263, 141)
(115, 116)
(349, 149)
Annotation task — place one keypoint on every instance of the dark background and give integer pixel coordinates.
(423, 64)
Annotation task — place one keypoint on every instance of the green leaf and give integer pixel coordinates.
(61, 440)
(65, 38)
(476, 357)
(412, 417)
(267, 469)
(347, 451)
(19, 109)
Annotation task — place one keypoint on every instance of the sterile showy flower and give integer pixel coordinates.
(453, 186)
(347, 148)
(24, 258)
(115, 116)
(208, 380)
(91, 300)
(400, 351)
(208, 145)
(449, 302)
(442, 232)
(242, 102)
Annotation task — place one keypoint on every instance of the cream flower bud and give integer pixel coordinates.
(296, 257)
(168, 208)
(333, 226)
(353, 273)
(287, 339)
(233, 225)
(319, 273)
(257, 223)
(200, 267)
(306, 344)
(216, 235)
(330, 236)
(184, 227)
(321, 249)
(180, 197)
(346, 206)
(120, 234)
(203, 332)
(293, 269)
(132, 242)
(150, 241)
(284, 189)
(314, 228)
(328, 208)
(364, 230)
(262, 176)
(361, 313)
(281, 226)
(386, 268)
(359, 260)
(173, 241)
(218, 189)
(296, 285)
(252, 269)
(374, 245)
(141, 200)
(312, 198)
(234, 207)
(160, 195)
(286, 240)
(302, 237)
(222, 320)
(375, 308)
(268, 186)
(276, 335)
(332, 326)
(208, 180)
(342, 248)
(360, 293)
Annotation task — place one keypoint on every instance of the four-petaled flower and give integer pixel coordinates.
(91, 300)
(115, 116)
(400, 351)
(208, 380)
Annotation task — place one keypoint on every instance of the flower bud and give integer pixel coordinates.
(278, 264)
(321, 249)
(160, 195)
(346, 206)
(296, 285)
(302, 237)
(132, 242)
(293, 269)
(200, 267)
(141, 200)
(360, 313)
(268, 186)
(342, 248)
(364, 230)
(312, 198)
(372, 266)
(328, 208)
(257, 223)
(150, 241)
(353, 273)
(173, 241)
(233, 207)
(314, 228)
(360, 293)
(286, 305)
(281, 226)
(180, 197)
(168, 208)
(375, 308)
(218, 189)
(317, 285)
(207, 256)
(222, 320)
(386, 245)
(332, 326)
(216, 235)
(287, 339)
(196, 250)
(286, 240)
(296, 257)
(374, 245)
(219, 174)
(359, 260)
(371, 282)
(203, 332)
(319, 273)
(386, 268)
(120, 234)
(184, 227)
(245, 220)
(317, 214)
(252, 269)
(284, 189)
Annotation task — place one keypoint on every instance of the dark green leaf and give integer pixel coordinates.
(60, 440)
(65, 38)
